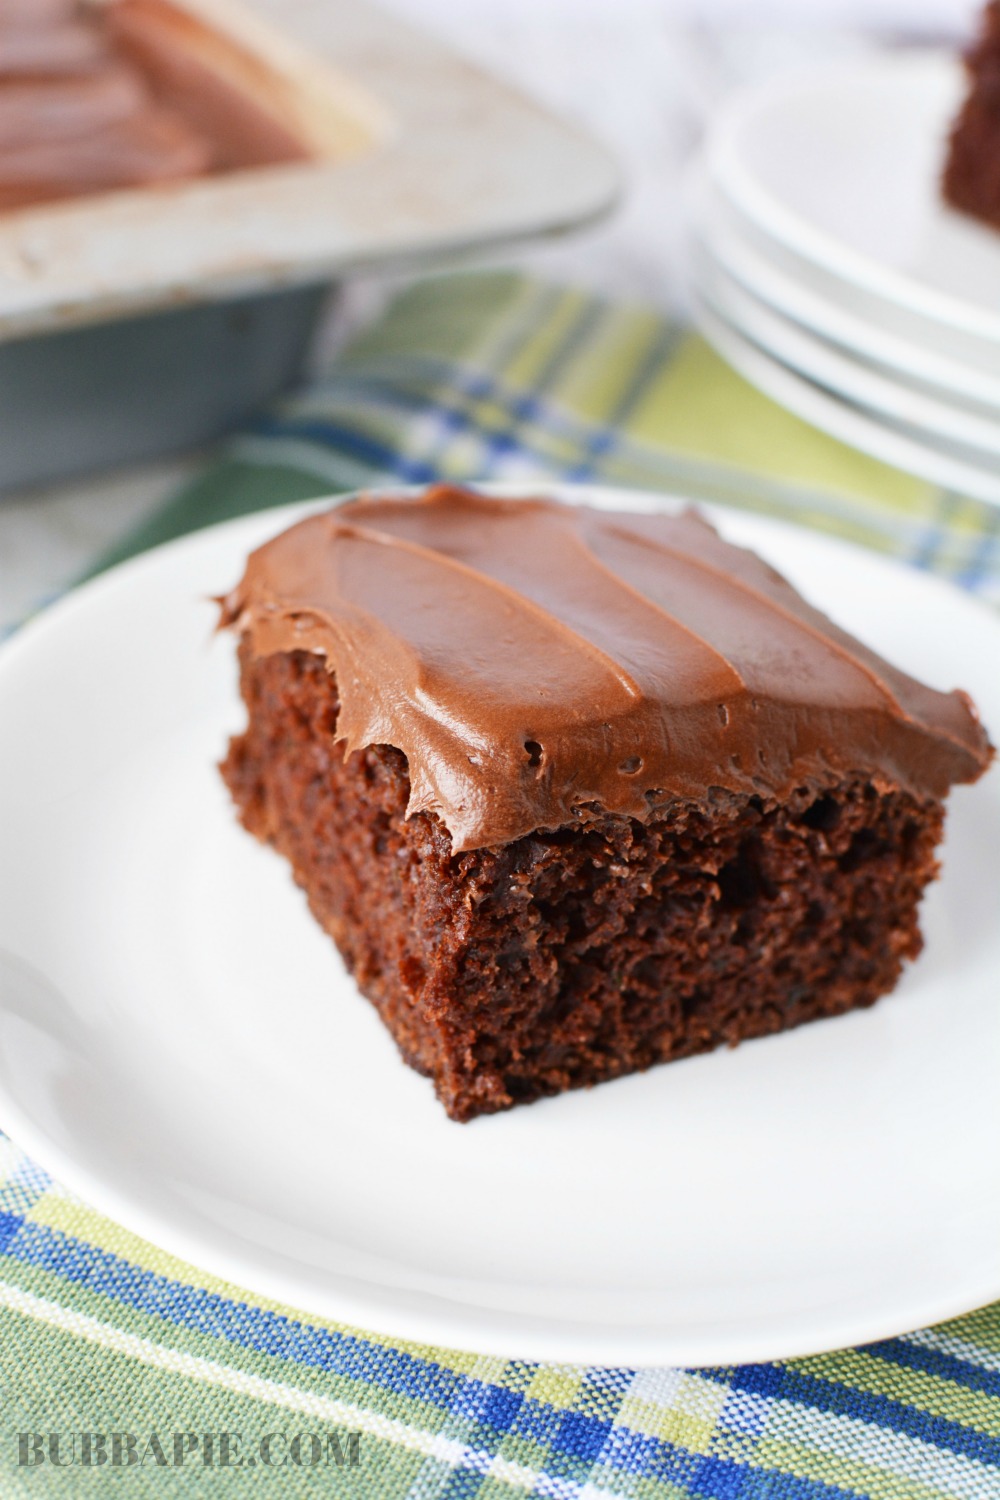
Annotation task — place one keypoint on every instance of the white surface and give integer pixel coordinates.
(918, 360)
(842, 168)
(912, 16)
(975, 347)
(179, 1044)
(845, 376)
(838, 283)
(646, 77)
(904, 448)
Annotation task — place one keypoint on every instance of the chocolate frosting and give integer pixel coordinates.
(94, 98)
(537, 663)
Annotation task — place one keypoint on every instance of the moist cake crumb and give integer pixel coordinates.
(578, 792)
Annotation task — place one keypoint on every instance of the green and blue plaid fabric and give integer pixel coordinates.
(110, 1349)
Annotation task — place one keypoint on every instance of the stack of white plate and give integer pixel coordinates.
(828, 271)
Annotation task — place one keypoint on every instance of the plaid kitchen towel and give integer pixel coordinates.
(124, 1371)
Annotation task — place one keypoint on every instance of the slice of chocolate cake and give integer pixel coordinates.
(971, 181)
(576, 791)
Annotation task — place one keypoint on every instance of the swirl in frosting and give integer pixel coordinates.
(536, 661)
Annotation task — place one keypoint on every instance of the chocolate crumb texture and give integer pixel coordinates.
(575, 792)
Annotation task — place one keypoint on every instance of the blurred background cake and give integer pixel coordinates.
(99, 97)
(972, 170)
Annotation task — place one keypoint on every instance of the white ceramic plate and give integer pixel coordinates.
(180, 1045)
(903, 448)
(841, 373)
(914, 356)
(842, 168)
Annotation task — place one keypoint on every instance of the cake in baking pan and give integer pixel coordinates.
(99, 97)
